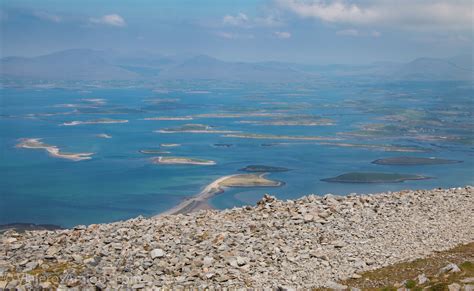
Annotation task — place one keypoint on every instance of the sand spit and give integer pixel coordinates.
(200, 201)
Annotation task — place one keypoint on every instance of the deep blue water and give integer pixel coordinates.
(119, 182)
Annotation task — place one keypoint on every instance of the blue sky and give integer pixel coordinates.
(303, 31)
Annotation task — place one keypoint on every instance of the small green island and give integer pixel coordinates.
(263, 169)
(182, 161)
(414, 161)
(373, 177)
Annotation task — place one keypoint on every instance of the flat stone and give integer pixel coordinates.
(157, 253)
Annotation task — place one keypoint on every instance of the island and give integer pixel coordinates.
(293, 120)
(274, 136)
(380, 147)
(414, 161)
(95, 121)
(193, 128)
(222, 145)
(154, 152)
(54, 151)
(182, 161)
(200, 201)
(169, 118)
(263, 169)
(373, 177)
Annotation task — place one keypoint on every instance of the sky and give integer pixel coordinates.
(300, 31)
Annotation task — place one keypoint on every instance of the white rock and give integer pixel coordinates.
(157, 253)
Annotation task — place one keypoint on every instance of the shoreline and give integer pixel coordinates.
(200, 201)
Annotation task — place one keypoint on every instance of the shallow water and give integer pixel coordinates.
(119, 182)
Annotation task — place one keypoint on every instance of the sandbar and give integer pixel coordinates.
(200, 201)
(96, 121)
(182, 161)
(54, 151)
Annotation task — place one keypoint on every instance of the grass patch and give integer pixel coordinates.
(410, 284)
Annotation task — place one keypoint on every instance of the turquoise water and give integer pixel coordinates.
(119, 182)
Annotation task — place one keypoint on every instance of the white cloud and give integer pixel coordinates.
(110, 19)
(418, 14)
(282, 34)
(348, 32)
(240, 20)
(231, 35)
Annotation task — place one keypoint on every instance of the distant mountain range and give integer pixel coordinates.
(85, 64)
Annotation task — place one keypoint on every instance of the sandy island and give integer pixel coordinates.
(200, 201)
(182, 161)
(54, 151)
(97, 121)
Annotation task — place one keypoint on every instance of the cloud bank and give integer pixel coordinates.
(419, 14)
(111, 20)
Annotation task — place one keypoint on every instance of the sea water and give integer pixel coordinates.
(119, 182)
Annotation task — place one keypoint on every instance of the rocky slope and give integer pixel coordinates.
(310, 242)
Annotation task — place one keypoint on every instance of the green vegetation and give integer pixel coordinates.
(410, 284)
